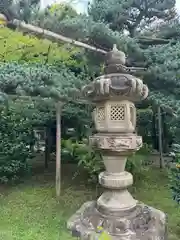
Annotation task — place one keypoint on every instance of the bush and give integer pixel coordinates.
(136, 164)
(174, 176)
(84, 156)
(15, 139)
(138, 161)
(92, 163)
(91, 160)
(70, 149)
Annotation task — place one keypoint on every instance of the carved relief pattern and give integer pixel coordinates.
(144, 223)
(126, 143)
(110, 142)
(132, 142)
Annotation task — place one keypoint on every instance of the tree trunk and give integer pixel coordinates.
(47, 147)
(58, 149)
(160, 137)
(154, 134)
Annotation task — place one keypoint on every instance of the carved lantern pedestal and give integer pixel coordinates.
(116, 211)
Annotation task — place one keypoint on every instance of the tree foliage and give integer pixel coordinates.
(163, 76)
(105, 26)
(6, 8)
(46, 81)
(161, 61)
(15, 46)
(32, 68)
(174, 180)
(121, 22)
(164, 29)
(51, 17)
(19, 9)
(25, 9)
(15, 139)
(131, 15)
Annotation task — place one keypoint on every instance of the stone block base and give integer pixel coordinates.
(143, 223)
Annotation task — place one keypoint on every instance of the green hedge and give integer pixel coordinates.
(15, 138)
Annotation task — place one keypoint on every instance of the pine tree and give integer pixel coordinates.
(131, 15)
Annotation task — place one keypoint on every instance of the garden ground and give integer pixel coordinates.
(30, 210)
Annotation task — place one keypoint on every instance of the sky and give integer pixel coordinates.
(178, 5)
(81, 5)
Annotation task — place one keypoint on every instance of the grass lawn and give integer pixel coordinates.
(30, 210)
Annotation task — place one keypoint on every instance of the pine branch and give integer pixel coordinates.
(37, 98)
(152, 41)
(51, 35)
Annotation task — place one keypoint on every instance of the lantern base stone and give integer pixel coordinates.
(141, 223)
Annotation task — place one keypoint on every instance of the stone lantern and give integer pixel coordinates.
(116, 211)
(3, 20)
